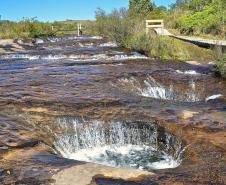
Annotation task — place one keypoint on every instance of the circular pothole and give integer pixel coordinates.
(118, 144)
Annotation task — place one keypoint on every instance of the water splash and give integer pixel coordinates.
(109, 44)
(213, 97)
(67, 37)
(95, 37)
(20, 56)
(149, 87)
(39, 41)
(116, 56)
(118, 144)
(189, 72)
(133, 55)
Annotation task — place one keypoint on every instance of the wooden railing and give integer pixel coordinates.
(154, 24)
(79, 29)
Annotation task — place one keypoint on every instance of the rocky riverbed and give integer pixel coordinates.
(81, 110)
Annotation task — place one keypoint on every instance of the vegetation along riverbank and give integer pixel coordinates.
(193, 18)
(32, 28)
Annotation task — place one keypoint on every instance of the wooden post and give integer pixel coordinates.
(79, 28)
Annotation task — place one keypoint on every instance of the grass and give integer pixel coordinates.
(221, 67)
(129, 32)
(31, 28)
(27, 28)
(201, 35)
(203, 18)
(168, 48)
(208, 20)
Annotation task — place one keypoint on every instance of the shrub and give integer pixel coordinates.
(27, 28)
(205, 17)
(140, 8)
(221, 67)
(167, 48)
(129, 32)
(116, 25)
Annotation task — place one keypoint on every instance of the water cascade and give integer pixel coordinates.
(79, 57)
(149, 87)
(118, 144)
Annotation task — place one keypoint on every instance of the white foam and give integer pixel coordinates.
(20, 56)
(90, 38)
(106, 155)
(134, 55)
(151, 88)
(116, 56)
(189, 72)
(53, 39)
(167, 163)
(96, 37)
(213, 97)
(39, 41)
(109, 44)
(116, 144)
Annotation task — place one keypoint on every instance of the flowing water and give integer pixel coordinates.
(118, 144)
(193, 91)
(83, 75)
(151, 88)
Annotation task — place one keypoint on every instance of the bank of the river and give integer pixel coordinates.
(58, 97)
(8, 45)
(15, 45)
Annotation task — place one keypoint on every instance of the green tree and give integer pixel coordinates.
(198, 5)
(181, 2)
(140, 7)
(101, 18)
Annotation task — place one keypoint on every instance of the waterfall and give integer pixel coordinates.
(155, 90)
(149, 87)
(117, 144)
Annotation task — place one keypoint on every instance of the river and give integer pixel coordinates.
(80, 109)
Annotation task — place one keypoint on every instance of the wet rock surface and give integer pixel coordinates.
(89, 78)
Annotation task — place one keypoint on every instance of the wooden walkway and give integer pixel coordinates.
(207, 43)
(201, 41)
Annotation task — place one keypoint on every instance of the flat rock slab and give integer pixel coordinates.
(84, 174)
(8, 45)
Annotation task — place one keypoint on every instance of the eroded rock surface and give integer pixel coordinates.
(91, 79)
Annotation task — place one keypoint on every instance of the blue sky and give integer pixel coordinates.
(51, 10)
